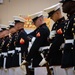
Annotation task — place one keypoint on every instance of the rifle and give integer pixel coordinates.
(26, 64)
(48, 70)
(47, 66)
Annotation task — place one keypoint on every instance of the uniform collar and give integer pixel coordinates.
(61, 20)
(42, 25)
(21, 30)
(70, 15)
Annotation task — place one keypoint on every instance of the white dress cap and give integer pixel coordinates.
(52, 8)
(38, 14)
(17, 18)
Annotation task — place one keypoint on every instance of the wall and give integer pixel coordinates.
(11, 8)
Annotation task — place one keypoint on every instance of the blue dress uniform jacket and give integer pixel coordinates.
(41, 34)
(24, 47)
(11, 42)
(4, 50)
(11, 51)
(21, 35)
(55, 53)
(68, 59)
(1, 52)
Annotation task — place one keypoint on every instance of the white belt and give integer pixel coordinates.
(62, 46)
(18, 48)
(5, 54)
(43, 48)
(69, 41)
(20, 59)
(13, 51)
(4, 63)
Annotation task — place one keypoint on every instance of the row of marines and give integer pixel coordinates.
(55, 47)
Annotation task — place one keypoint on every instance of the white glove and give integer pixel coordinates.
(22, 67)
(24, 62)
(52, 34)
(33, 39)
(31, 43)
(42, 62)
(29, 47)
(62, 46)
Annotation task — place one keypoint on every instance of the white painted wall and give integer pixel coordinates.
(10, 8)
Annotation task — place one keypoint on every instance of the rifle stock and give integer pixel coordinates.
(28, 72)
(48, 70)
(47, 66)
(26, 64)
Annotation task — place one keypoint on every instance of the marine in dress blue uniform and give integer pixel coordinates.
(4, 45)
(0, 50)
(69, 36)
(54, 55)
(69, 52)
(1, 47)
(40, 33)
(57, 31)
(20, 41)
(10, 46)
